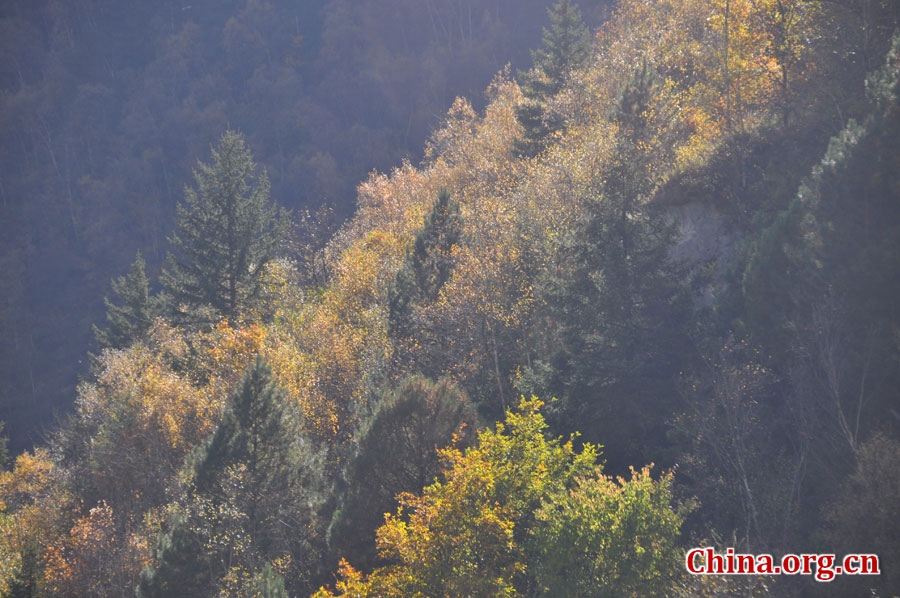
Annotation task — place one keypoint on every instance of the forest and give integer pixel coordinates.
(108, 104)
(460, 299)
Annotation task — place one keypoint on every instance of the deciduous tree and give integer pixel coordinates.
(511, 503)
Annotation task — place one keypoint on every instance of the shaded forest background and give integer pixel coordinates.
(106, 105)
(677, 232)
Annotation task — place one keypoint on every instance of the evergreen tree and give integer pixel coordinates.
(821, 286)
(397, 452)
(128, 321)
(177, 571)
(620, 306)
(566, 47)
(227, 231)
(261, 431)
(427, 267)
(256, 481)
(283, 472)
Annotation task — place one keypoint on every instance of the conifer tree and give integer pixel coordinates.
(177, 571)
(620, 305)
(227, 231)
(261, 433)
(259, 430)
(427, 267)
(566, 47)
(263, 482)
(821, 282)
(397, 452)
(130, 319)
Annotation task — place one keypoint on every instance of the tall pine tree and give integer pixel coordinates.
(620, 304)
(396, 451)
(227, 231)
(566, 47)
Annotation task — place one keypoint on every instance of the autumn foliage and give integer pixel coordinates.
(663, 260)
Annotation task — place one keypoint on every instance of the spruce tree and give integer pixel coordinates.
(261, 433)
(396, 452)
(428, 265)
(566, 48)
(621, 306)
(129, 320)
(260, 430)
(262, 481)
(177, 571)
(226, 233)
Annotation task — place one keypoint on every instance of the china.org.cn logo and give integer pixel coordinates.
(825, 567)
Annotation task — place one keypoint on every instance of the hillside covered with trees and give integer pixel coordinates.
(106, 105)
(642, 298)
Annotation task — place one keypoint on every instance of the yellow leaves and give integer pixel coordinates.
(29, 478)
(350, 585)
(458, 538)
(449, 142)
(10, 555)
(30, 502)
(367, 267)
(228, 350)
(395, 203)
(137, 386)
(93, 559)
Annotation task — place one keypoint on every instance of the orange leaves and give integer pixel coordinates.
(94, 558)
(233, 348)
(365, 271)
(740, 69)
(730, 62)
(224, 354)
(339, 336)
(351, 584)
(31, 505)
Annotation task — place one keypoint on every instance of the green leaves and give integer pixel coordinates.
(519, 514)
(130, 320)
(606, 537)
(227, 231)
